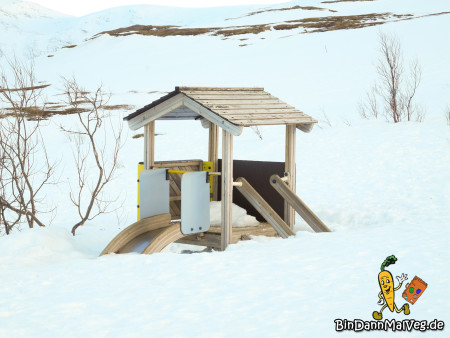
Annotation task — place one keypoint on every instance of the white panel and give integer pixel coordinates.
(194, 203)
(153, 193)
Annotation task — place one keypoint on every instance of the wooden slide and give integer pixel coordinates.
(147, 236)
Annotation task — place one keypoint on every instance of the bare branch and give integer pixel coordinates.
(90, 144)
(22, 148)
(395, 89)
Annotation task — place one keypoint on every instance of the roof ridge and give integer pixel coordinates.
(186, 88)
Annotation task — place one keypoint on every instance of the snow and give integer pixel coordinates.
(381, 188)
(239, 216)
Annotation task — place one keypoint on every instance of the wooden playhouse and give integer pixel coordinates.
(230, 109)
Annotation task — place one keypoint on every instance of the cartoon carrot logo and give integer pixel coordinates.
(386, 282)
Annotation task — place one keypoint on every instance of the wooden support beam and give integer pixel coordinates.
(264, 208)
(213, 155)
(227, 189)
(149, 145)
(286, 192)
(289, 212)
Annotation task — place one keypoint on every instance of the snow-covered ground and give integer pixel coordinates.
(382, 188)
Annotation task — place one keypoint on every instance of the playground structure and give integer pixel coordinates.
(174, 196)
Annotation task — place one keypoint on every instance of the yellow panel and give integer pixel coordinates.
(140, 168)
(208, 166)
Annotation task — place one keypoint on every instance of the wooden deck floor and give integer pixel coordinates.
(211, 238)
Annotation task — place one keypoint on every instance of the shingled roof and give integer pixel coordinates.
(231, 108)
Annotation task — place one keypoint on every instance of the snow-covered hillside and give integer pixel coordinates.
(382, 188)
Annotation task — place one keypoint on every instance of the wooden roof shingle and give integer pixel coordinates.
(231, 108)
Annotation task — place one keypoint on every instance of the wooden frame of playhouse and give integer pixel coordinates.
(231, 109)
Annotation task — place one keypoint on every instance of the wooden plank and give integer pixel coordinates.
(289, 195)
(306, 127)
(182, 89)
(290, 169)
(211, 238)
(271, 116)
(212, 117)
(213, 155)
(236, 106)
(224, 112)
(225, 92)
(177, 164)
(244, 102)
(264, 229)
(182, 113)
(264, 208)
(164, 238)
(256, 122)
(149, 145)
(227, 189)
(175, 181)
(180, 117)
(156, 112)
(135, 230)
(233, 97)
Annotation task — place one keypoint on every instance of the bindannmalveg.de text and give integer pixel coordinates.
(358, 325)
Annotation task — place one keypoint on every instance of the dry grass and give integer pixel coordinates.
(334, 1)
(118, 107)
(52, 109)
(163, 31)
(305, 8)
(239, 30)
(24, 88)
(310, 25)
(38, 114)
(329, 23)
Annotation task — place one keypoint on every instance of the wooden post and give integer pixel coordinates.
(227, 189)
(289, 212)
(149, 145)
(213, 154)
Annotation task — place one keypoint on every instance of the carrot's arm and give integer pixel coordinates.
(401, 279)
(381, 300)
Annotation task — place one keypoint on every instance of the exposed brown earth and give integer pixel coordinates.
(333, 1)
(305, 8)
(51, 109)
(310, 25)
(24, 88)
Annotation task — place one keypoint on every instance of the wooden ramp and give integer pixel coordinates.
(146, 236)
(289, 195)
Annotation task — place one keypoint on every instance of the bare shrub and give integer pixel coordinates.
(90, 140)
(24, 165)
(324, 120)
(393, 95)
(447, 115)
